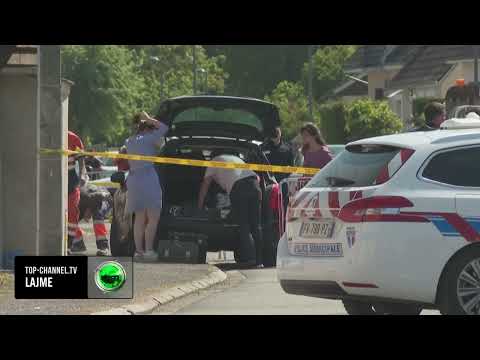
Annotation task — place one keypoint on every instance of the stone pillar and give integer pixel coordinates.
(18, 134)
(52, 186)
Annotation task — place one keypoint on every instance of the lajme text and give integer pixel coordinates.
(39, 282)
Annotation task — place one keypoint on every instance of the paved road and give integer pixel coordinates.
(249, 292)
(255, 292)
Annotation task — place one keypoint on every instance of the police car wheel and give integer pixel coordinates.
(461, 288)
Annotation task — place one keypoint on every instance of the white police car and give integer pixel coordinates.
(391, 225)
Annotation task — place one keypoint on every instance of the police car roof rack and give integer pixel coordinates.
(470, 121)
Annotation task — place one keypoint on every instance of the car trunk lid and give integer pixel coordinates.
(219, 116)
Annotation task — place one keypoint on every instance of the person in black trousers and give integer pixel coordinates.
(245, 196)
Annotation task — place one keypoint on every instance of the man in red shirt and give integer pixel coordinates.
(76, 176)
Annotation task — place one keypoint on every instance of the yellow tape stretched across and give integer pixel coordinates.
(188, 162)
(106, 184)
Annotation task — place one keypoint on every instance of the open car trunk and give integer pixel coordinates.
(181, 186)
(181, 218)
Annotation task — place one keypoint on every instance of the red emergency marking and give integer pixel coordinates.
(383, 177)
(459, 223)
(405, 154)
(354, 195)
(360, 285)
(313, 203)
(299, 199)
(463, 227)
(393, 166)
(333, 203)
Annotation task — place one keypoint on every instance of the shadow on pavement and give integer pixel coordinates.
(235, 266)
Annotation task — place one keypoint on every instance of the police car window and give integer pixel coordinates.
(457, 167)
(358, 166)
(232, 116)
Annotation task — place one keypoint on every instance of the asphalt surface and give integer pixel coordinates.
(253, 292)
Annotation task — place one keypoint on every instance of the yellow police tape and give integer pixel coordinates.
(187, 162)
(106, 184)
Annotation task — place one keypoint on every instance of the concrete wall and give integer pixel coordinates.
(33, 188)
(18, 105)
(52, 193)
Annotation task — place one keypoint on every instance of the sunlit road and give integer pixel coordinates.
(256, 292)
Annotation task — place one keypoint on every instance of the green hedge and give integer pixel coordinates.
(363, 118)
(332, 120)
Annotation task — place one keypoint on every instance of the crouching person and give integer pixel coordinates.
(96, 204)
(245, 196)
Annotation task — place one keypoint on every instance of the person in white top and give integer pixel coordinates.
(245, 196)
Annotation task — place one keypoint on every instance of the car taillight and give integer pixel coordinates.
(275, 197)
(378, 209)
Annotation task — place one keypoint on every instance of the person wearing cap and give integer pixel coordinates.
(435, 116)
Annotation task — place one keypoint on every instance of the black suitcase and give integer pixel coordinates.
(182, 250)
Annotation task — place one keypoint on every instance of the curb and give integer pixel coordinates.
(169, 295)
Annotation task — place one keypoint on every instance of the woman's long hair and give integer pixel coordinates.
(140, 126)
(314, 131)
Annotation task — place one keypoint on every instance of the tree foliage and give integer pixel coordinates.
(107, 90)
(364, 118)
(112, 82)
(256, 70)
(293, 106)
(328, 68)
(367, 118)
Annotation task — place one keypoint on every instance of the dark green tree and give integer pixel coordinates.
(255, 70)
(107, 90)
(112, 82)
(328, 68)
(293, 106)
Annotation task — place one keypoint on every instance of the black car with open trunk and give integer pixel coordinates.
(200, 126)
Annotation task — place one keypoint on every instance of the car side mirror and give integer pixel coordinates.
(118, 177)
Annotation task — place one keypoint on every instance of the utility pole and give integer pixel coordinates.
(310, 81)
(194, 70)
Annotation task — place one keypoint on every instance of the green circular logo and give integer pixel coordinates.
(110, 276)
